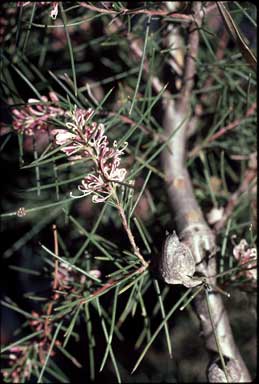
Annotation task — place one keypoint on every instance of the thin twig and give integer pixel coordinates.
(112, 283)
(224, 130)
(149, 131)
(54, 283)
(249, 177)
(126, 11)
(232, 125)
(199, 108)
(129, 232)
(55, 234)
(138, 52)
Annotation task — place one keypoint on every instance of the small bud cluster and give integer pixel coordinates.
(36, 115)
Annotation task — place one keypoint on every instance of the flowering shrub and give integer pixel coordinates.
(184, 122)
(80, 140)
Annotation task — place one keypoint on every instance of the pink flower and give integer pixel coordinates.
(76, 137)
(68, 139)
(82, 139)
(100, 183)
(97, 139)
(107, 168)
(246, 255)
(110, 161)
(94, 184)
(63, 137)
(78, 119)
(35, 115)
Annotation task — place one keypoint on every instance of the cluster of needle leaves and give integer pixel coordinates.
(82, 302)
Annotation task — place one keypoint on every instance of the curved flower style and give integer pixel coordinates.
(74, 139)
(110, 161)
(95, 185)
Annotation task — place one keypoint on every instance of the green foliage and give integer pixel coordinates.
(123, 318)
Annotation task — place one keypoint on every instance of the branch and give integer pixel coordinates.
(126, 11)
(188, 216)
(129, 233)
(251, 110)
(248, 180)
